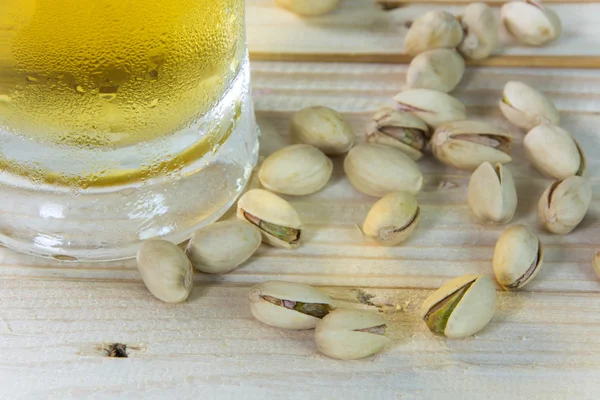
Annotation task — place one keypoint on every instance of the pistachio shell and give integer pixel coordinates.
(554, 152)
(166, 270)
(596, 263)
(221, 247)
(377, 170)
(308, 8)
(518, 257)
(564, 204)
(259, 206)
(481, 31)
(288, 315)
(350, 334)
(467, 144)
(433, 30)
(393, 218)
(526, 107)
(400, 130)
(492, 195)
(323, 128)
(437, 69)
(433, 107)
(297, 170)
(461, 307)
(530, 22)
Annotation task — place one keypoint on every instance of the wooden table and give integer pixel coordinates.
(56, 319)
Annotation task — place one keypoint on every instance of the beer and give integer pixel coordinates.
(106, 73)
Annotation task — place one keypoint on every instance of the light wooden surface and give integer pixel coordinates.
(543, 343)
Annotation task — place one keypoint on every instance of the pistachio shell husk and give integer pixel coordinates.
(433, 30)
(492, 195)
(433, 107)
(564, 204)
(392, 218)
(481, 31)
(518, 257)
(308, 8)
(437, 69)
(324, 128)
(530, 22)
(527, 107)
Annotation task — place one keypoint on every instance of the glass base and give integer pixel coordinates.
(191, 180)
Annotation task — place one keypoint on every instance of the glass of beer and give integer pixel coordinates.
(120, 121)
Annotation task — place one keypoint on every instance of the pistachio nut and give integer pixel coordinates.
(277, 220)
(393, 218)
(437, 69)
(481, 31)
(467, 144)
(596, 263)
(554, 151)
(308, 8)
(527, 107)
(166, 270)
(530, 22)
(288, 305)
(492, 195)
(518, 257)
(564, 204)
(377, 170)
(433, 107)
(433, 30)
(461, 307)
(324, 128)
(297, 170)
(400, 130)
(350, 334)
(221, 247)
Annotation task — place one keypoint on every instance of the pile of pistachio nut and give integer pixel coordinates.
(384, 166)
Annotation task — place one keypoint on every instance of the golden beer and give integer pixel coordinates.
(98, 73)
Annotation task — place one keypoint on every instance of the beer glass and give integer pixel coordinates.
(120, 121)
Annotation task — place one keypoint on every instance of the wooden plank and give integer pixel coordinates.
(392, 4)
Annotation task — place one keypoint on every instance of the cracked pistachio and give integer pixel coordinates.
(481, 31)
(277, 220)
(308, 8)
(324, 128)
(467, 144)
(564, 204)
(492, 195)
(288, 305)
(437, 69)
(530, 22)
(433, 107)
(461, 307)
(377, 170)
(596, 263)
(393, 218)
(350, 334)
(527, 107)
(433, 30)
(166, 270)
(554, 152)
(518, 257)
(400, 130)
(221, 247)
(297, 170)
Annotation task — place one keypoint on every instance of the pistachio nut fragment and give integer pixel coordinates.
(530, 22)
(221, 247)
(377, 170)
(308, 8)
(437, 69)
(492, 195)
(288, 305)
(350, 334)
(461, 307)
(297, 170)
(393, 218)
(518, 257)
(323, 128)
(433, 107)
(554, 152)
(564, 204)
(166, 270)
(433, 30)
(400, 130)
(467, 144)
(481, 31)
(527, 107)
(276, 218)
(596, 263)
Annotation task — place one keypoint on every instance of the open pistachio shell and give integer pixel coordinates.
(527, 107)
(308, 8)
(492, 195)
(433, 107)
(437, 69)
(530, 22)
(518, 257)
(433, 30)
(481, 31)
(564, 204)
(393, 218)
